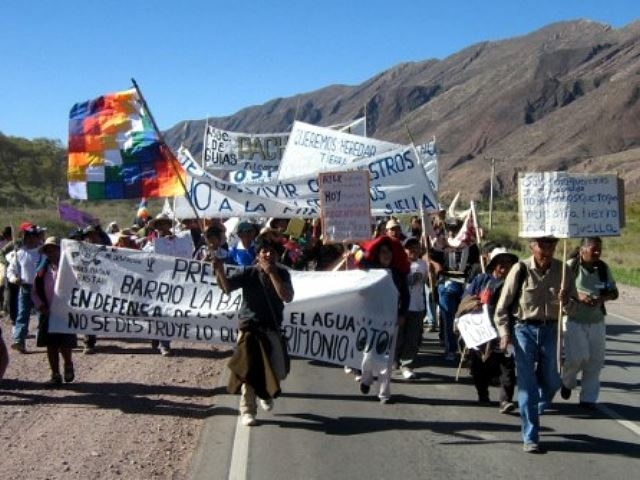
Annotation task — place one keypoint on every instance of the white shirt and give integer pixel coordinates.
(23, 265)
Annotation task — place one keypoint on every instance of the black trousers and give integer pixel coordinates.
(496, 365)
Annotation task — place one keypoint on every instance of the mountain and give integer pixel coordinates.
(565, 97)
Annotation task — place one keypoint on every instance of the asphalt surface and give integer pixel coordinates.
(322, 427)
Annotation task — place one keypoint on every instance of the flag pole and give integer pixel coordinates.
(173, 160)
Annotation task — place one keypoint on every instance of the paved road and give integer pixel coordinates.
(324, 428)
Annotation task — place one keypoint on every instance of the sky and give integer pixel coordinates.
(194, 59)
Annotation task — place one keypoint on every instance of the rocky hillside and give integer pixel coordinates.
(565, 97)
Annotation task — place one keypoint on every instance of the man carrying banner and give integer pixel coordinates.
(259, 362)
(528, 307)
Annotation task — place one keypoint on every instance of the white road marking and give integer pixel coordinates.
(625, 423)
(240, 452)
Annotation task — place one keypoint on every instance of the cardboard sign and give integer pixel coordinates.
(345, 205)
(569, 205)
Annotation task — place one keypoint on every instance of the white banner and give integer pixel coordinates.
(568, 205)
(224, 150)
(429, 157)
(312, 149)
(398, 185)
(122, 293)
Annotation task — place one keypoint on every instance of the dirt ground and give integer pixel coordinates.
(130, 413)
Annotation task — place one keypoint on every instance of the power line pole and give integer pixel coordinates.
(493, 172)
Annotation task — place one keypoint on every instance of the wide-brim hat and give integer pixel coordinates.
(50, 242)
(159, 219)
(500, 254)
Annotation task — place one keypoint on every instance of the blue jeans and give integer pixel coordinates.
(537, 377)
(449, 296)
(432, 320)
(21, 327)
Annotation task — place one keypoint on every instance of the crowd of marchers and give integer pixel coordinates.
(533, 302)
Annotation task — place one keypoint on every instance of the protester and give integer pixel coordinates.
(113, 230)
(394, 230)
(57, 344)
(95, 235)
(410, 332)
(126, 239)
(457, 263)
(6, 241)
(4, 356)
(164, 242)
(387, 253)
(529, 305)
(214, 246)
(21, 272)
(487, 360)
(259, 363)
(244, 252)
(584, 340)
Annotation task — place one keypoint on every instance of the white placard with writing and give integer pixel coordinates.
(476, 328)
(225, 150)
(568, 205)
(345, 205)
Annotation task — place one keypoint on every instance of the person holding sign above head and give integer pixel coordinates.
(529, 305)
(584, 340)
(260, 360)
(487, 359)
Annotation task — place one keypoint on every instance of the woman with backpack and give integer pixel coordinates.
(584, 340)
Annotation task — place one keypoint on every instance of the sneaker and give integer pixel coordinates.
(18, 347)
(165, 351)
(385, 400)
(507, 407)
(89, 350)
(532, 448)
(407, 373)
(364, 388)
(248, 420)
(348, 370)
(69, 373)
(266, 405)
(484, 400)
(155, 344)
(55, 380)
(565, 392)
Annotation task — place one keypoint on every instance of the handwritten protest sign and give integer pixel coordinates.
(476, 328)
(122, 293)
(345, 205)
(568, 205)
